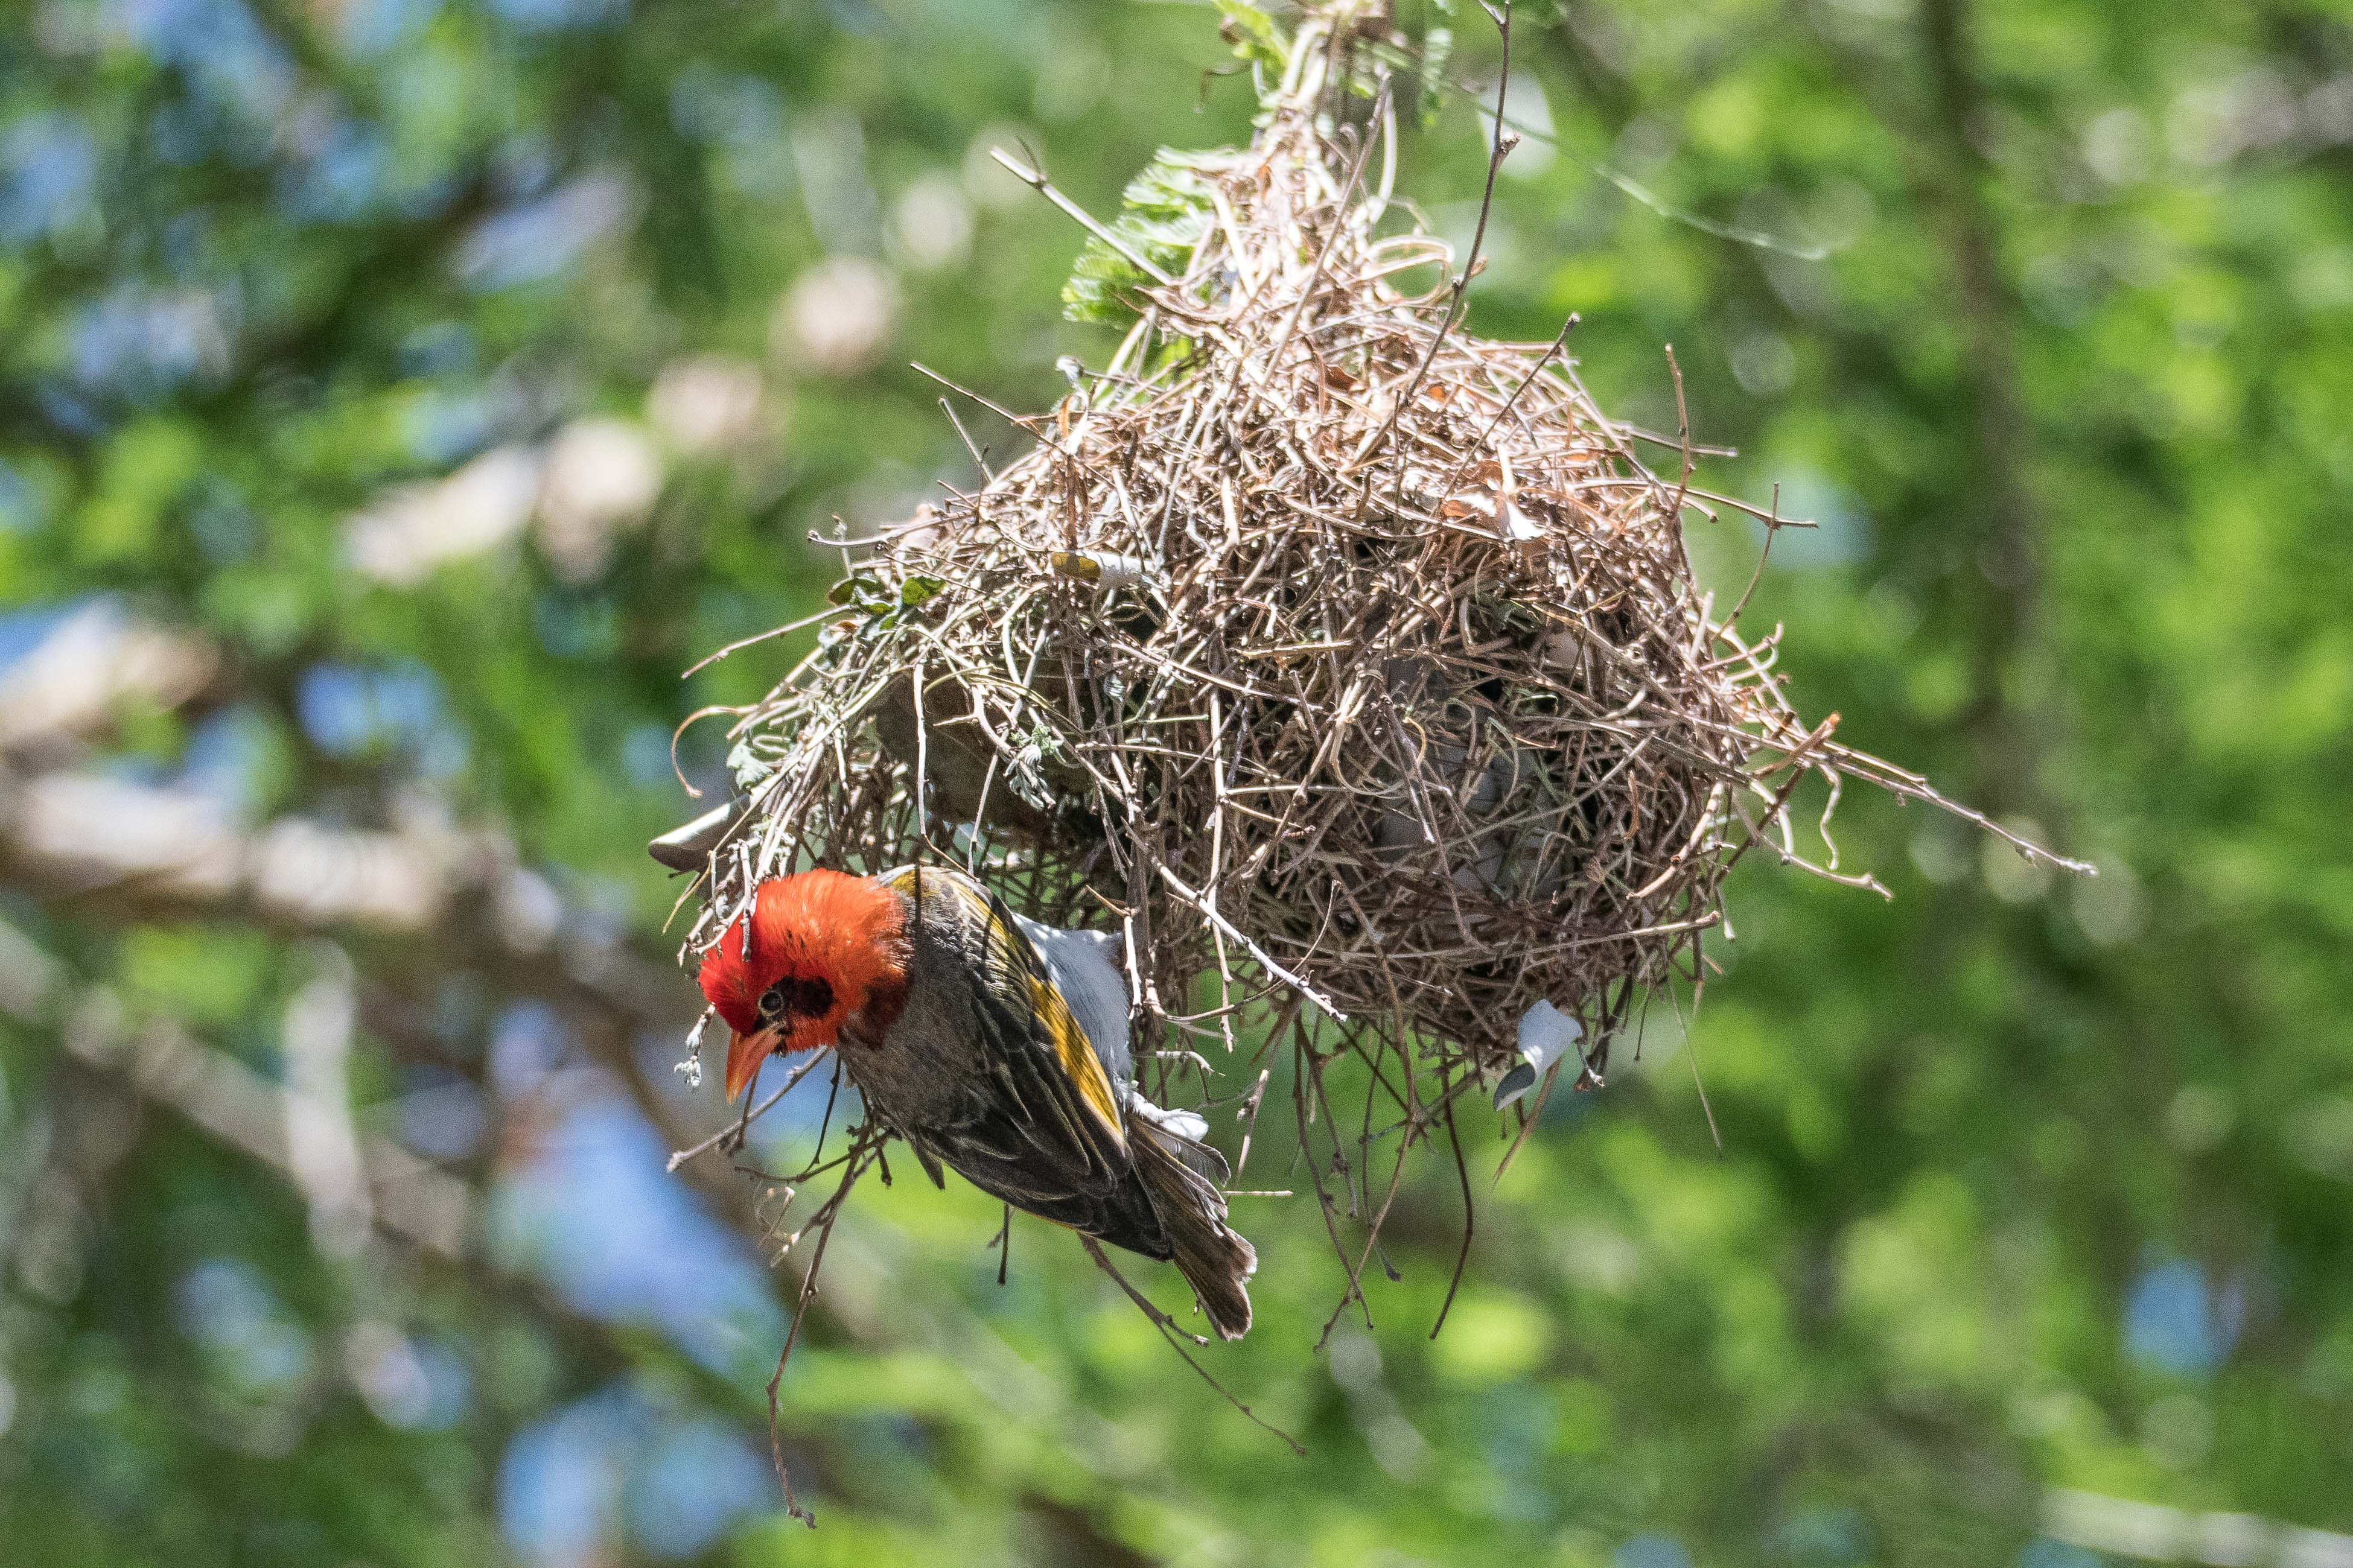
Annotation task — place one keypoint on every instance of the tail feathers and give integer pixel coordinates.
(1216, 1262)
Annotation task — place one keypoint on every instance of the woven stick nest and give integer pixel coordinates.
(1352, 665)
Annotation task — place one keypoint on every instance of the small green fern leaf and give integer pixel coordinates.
(1165, 212)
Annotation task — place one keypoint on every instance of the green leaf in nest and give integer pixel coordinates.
(1253, 35)
(1164, 214)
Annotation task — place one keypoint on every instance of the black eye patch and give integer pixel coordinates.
(797, 996)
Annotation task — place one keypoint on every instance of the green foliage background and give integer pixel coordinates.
(2028, 1191)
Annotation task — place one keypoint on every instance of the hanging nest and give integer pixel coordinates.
(1351, 665)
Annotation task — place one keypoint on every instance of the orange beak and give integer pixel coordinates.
(745, 1055)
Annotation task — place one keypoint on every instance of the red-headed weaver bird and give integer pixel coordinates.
(991, 1044)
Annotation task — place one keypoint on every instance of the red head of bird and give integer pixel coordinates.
(813, 948)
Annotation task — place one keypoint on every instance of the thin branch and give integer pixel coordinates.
(1176, 1338)
(1031, 175)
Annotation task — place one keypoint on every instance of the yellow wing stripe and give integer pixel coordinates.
(1072, 1048)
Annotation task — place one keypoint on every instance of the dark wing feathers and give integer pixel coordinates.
(1041, 1127)
(1028, 1137)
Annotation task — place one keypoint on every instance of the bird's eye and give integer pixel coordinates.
(796, 995)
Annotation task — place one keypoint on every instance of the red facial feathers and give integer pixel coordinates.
(849, 933)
